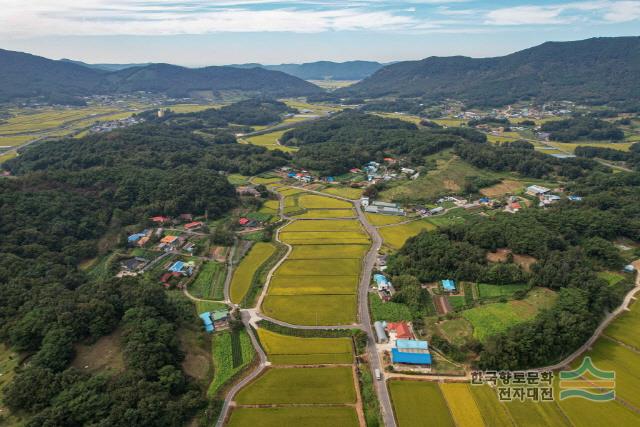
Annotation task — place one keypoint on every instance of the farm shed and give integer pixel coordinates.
(412, 346)
(536, 190)
(381, 281)
(449, 285)
(206, 319)
(398, 356)
(380, 332)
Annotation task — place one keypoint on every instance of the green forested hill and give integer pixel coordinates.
(26, 76)
(594, 70)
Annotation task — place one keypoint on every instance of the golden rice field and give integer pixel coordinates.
(308, 416)
(313, 285)
(290, 350)
(324, 226)
(269, 141)
(326, 213)
(312, 310)
(347, 192)
(379, 219)
(395, 236)
(462, 405)
(328, 251)
(313, 201)
(244, 274)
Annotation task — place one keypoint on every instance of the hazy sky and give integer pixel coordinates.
(198, 32)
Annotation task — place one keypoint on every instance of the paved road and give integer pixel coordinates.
(227, 280)
(365, 319)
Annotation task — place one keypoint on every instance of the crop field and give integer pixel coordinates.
(379, 219)
(334, 225)
(309, 416)
(265, 180)
(326, 385)
(449, 122)
(494, 412)
(12, 141)
(328, 251)
(411, 118)
(312, 310)
(232, 352)
(313, 285)
(462, 405)
(419, 404)
(288, 191)
(324, 238)
(202, 306)
(611, 277)
(270, 207)
(530, 414)
(395, 236)
(491, 319)
(508, 186)
(457, 331)
(243, 275)
(314, 108)
(346, 192)
(288, 350)
(326, 213)
(313, 201)
(571, 146)
(320, 267)
(493, 291)
(611, 356)
(625, 327)
(210, 281)
(270, 141)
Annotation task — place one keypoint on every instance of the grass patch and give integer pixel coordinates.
(457, 331)
(389, 311)
(270, 141)
(310, 416)
(457, 302)
(611, 277)
(419, 404)
(288, 350)
(299, 386)
(244, 274)
(202, 306)
(490, 319)
(232, 352)
(314, 310)
(496, 291)
(237, 179)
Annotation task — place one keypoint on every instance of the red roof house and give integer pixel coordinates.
(193, 225)
(243, 221)
(401, 329)
(160, 219)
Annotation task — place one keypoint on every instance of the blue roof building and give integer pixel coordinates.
(412, 345)
(449, 285)
(291, 174)
(575, 198)
(206, 319)
(177, 267)
(135, 237)
(398, 356)
(380, 280)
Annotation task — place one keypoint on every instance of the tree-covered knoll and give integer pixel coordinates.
(582, 128)
(571, 242)
(351, 138)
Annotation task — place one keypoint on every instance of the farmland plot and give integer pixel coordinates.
(462, 405)
(328, 251)
(289, 350)
(419, 404)
(395, 236)
(332, 385)
(324, 226)
(309, 416)
(307, 285)
(312, 310)
(320, 267)
(243, 275)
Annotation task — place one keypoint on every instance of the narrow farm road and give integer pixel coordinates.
(227, 279)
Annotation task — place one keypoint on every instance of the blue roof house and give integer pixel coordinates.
(449, 285)
(177, 267)
(411, 345)
(206, 319)
(381, 281)
(398, 356)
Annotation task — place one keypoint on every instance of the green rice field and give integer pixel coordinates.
(395, 236)
(289, 350)
(309, 416)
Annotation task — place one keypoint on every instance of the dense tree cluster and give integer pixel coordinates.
(578, 128)
(350, 139)
(632, 157)
(571, 242)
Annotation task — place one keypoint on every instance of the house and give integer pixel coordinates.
(193, 225)
(629, 268)
(220, 319)
(160, 219)
(364, 201)
(381, 335)
(244, 221)
(548, 199)
(206, 319)
(355, 170)
(381, 281)
(132, 239)
(246, 190)
(291, 175)
(330, 179)
(406, 358)
(169, 243)
(448, 285)
(436, 211)
(536, 190)
(513, 207)
(143, 241)
(133, 264)
(401, 330)
(575, 198)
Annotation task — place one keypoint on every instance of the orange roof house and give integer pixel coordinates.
(401, 329)
(168, 239)
(192, 225)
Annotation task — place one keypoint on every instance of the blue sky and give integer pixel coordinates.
(198, 32)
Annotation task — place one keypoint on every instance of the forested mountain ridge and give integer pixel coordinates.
(595, 70)
(320, 70)
(28, 76)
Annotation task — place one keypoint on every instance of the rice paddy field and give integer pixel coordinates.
(232, 352)
(625, 327)
(347, 192)
(419, 404)
(326, 213)
(325, 385)
(270, 141)
(462, 405)
(317, 284)
(244, 274)
(395, 236)
(379, 219)
(490, 319)
(290, 350)
(308, 416)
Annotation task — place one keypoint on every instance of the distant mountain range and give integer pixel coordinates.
(28, 76)
(323, 70)
(107, 67)
(596, 70)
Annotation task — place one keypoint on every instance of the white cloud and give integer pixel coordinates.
(623, 11)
